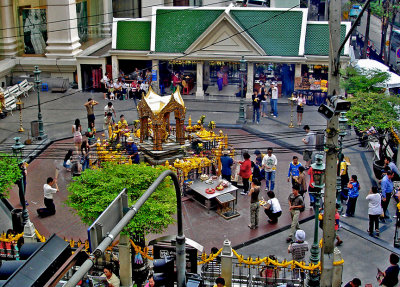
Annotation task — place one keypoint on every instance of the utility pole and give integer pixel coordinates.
(331, 145)
(394, 13)
(364, 53)
(385, 19)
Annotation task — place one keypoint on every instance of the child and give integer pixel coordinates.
(67, 160)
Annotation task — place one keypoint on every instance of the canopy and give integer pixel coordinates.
(368, 64)
(157, 102)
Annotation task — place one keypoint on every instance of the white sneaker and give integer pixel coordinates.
(243, 193)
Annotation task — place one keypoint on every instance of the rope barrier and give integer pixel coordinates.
(204, 257)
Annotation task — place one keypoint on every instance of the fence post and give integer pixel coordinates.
(338, 269)
(125, 271)
(226, 263)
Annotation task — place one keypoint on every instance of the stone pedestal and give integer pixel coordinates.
(125, 271)
(29, 232)
(63, 39)
(199, 81)
(8, 43)
(250, 80)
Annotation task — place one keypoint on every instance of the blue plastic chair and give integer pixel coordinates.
(162, 90)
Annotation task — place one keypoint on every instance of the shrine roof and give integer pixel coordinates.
(157, 102)
(133, 35)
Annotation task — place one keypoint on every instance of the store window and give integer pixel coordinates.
(34, 30)
(127, 9)
(82, 19)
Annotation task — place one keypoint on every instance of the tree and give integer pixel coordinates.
(9, 174)
(95, 189)
(363, 81)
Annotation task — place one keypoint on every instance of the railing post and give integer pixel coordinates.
(226, 263)
(338, 269)
(125, 270)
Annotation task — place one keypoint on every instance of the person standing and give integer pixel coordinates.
(272, 208)
(254, 204)
(77, 133)
(256, 107)
(245, 172)
(264, 103)
(388, 162)
(269, 163)
(299, 247)
(48, 191)
(274, 99)
(85, 151)
(391, 274)
(374, 210)
(220, 79)
(294, 169)
(104, 82)
(354, 188)
(301, 101)
(296, 204)
(226, 166)
(387, 189)
(302, 181)
(344, 177)
(107, 122)
(90, 110)
(309, 141)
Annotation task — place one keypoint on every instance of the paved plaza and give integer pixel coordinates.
(360, 252)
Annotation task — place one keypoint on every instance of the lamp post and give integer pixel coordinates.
(242, 70)
(342, 133)
(318, 174)
(19, 104)
(37, 72)
(17, 149)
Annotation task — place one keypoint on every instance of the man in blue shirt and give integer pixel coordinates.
(388, 162)
(387, 189)
(293, 169)
(132, 150)
(226, 163)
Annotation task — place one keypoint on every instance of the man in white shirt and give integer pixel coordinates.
(309, 141)
(48, 191)
(109, 108)
(274, 99)
(269, 163)
(272, 208)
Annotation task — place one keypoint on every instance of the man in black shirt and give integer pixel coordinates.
(391, 274)
(254, 204)
(296, 203)
(256, 106)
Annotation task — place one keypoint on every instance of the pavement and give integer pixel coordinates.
(59, 111)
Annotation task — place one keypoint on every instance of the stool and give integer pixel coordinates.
(45, 87)
(162, 89)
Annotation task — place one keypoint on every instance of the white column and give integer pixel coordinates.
(63, 39)
(155, 84)
(106, 26)
(79, 74)
(115, 67)
(199, 81)
(250, 80)
(8, 43)
(125, 271)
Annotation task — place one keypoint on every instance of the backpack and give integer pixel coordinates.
(303, 206)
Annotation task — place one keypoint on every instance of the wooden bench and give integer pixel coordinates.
(15, 91)
(9, 102)
(25, 87)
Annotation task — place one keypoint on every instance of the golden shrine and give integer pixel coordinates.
(157, 109)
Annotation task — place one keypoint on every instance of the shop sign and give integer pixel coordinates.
(398, 55)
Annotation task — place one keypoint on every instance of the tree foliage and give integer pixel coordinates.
(373, 109)
(9, 174)
(361, 80)
(95, 189)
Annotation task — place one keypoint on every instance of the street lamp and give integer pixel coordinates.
(37, 72)
(318, 174)
(17, 149)
(342, 133)
(19, 104)
(242, 70)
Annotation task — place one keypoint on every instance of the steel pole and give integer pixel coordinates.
(180, 238)
(241, 119)
(314, 276)
(37, 72)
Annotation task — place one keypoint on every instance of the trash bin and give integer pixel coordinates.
(16, 219)
(35, 129)
(75, 169)
(249, 112)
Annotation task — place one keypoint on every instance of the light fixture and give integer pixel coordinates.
(318, 171)
(343, 124)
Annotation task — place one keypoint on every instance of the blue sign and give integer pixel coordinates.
(154, 75)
